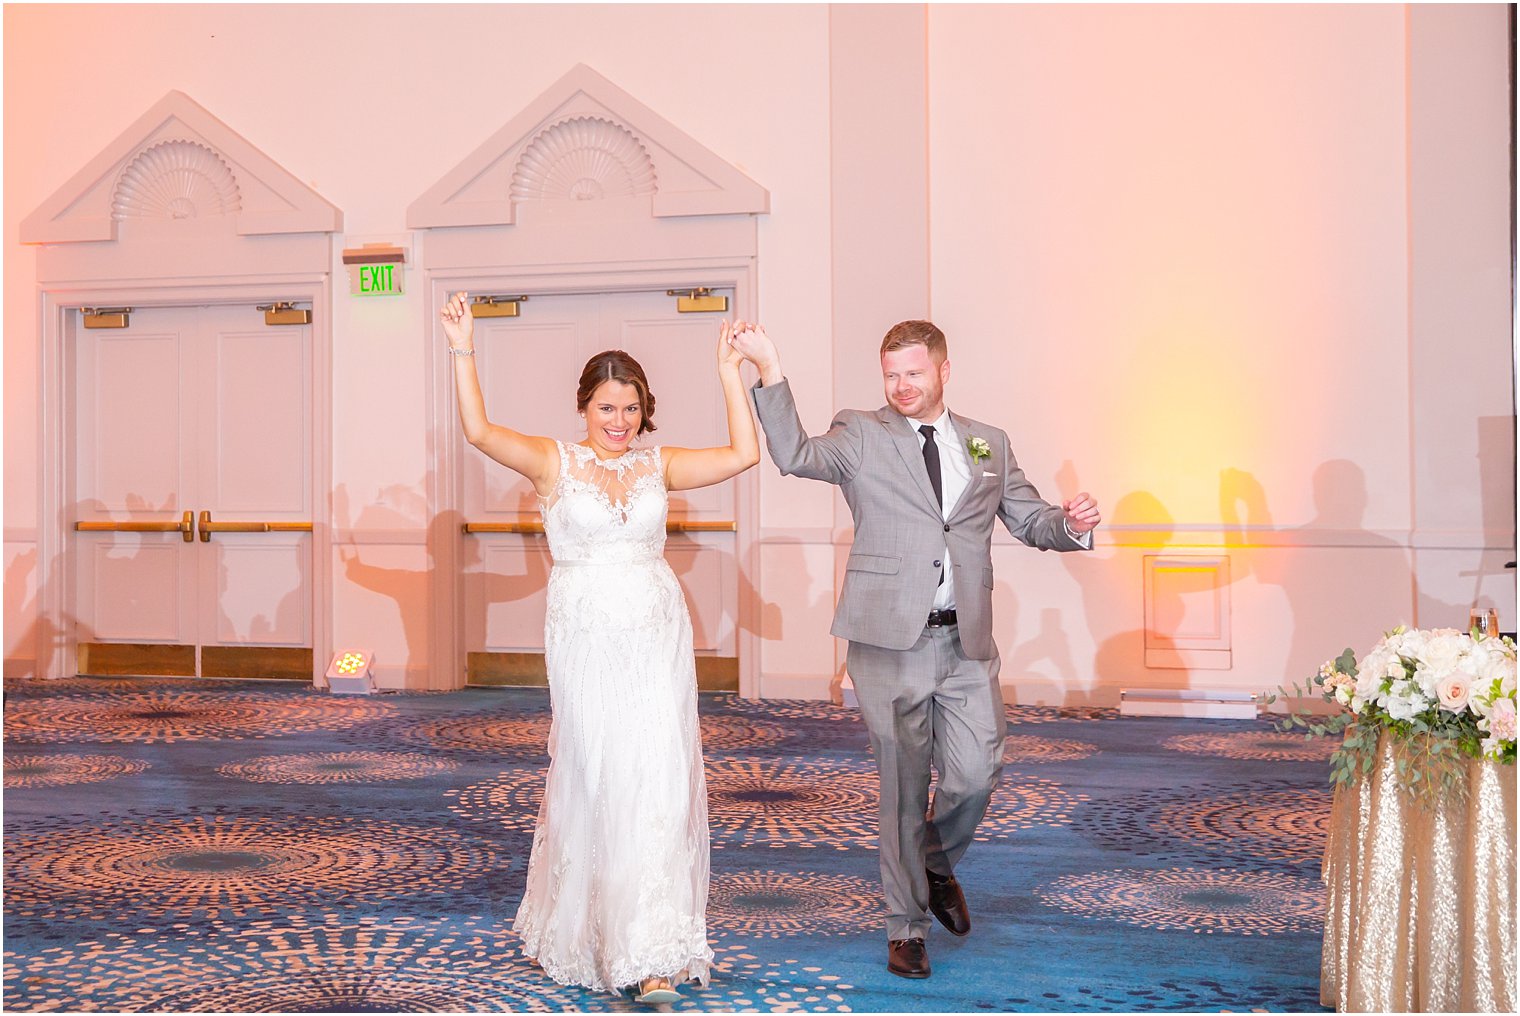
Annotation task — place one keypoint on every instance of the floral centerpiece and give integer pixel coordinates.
(1444, 695)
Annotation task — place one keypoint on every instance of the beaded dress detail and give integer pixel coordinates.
(617, 878)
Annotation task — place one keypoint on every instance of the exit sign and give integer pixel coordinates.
(377, 279)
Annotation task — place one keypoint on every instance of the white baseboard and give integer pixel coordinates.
(1203, 703)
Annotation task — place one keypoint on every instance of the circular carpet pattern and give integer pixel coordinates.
(810, 726)
(775, 904)
(84, 685)
(24, 772)
(327, 767)
(1169, 994)
(1272, 822)
(1255, 745)
(334, 963)
(526, 736)
(1057, 714)
(721, 732)
(517, 737)
(1226, 901)
(299, 963)
(784, 803)
(210, 865)
(781, 803)
(1019, 749)
(1261, 820)
(794, 709)
(1026, 802)
(148, 717)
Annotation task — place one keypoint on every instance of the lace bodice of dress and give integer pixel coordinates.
(606, 511)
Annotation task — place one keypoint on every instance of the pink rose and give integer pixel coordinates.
(1454, 690)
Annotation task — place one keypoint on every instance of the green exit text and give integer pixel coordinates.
(378, 280)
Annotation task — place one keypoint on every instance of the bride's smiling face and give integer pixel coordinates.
(613, 415)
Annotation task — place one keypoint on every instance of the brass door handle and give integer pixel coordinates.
(208, 527)
(185, 527)
(672, 526)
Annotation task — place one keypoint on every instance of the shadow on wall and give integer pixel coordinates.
(44, 636)
(1120, 658)
(819, 611)
(1496, 481)
(1340, 497)
(399, 506)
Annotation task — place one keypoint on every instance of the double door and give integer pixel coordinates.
(192, 500)
(529, 366)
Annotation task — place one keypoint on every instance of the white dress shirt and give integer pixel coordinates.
(954, 478)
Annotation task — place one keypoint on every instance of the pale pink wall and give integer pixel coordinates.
(1165, 242)
(1463, 450)
(370, 105)
(1172, 242)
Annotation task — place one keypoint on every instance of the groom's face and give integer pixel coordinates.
(914, 382)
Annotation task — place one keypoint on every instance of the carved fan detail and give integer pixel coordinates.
(583, 159)
(176, 180)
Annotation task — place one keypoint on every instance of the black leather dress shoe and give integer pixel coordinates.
(948, 903)
(907, 957)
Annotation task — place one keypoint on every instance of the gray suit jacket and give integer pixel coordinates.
(893, 570)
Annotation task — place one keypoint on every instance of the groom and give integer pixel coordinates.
(924, 486)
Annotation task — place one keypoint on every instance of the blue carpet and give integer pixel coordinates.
(227, 846)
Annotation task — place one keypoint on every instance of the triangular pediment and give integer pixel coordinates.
(588, 143)
(177, 163)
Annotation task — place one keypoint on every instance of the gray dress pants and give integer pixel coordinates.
(928, 705)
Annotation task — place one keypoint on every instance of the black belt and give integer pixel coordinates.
(941, 618)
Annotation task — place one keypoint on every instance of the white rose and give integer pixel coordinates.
(1410, 643)
(1491, 661)
(1404, 700)
(1445, 651)
(1428, 679)
(1371, 671)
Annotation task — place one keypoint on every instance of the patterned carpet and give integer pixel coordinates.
(224, 846)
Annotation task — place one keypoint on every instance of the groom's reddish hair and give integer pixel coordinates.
(916, 333)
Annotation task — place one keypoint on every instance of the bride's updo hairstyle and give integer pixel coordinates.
(616, 365)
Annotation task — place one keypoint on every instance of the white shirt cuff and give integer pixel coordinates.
(1085, 539)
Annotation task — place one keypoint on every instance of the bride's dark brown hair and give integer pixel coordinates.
(616, 365)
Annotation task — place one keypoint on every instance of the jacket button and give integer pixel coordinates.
(947, 527)
(936, 564)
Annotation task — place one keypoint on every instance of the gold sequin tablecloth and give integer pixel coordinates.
(1420, 913)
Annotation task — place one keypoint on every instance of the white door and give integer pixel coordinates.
(529, 367)
(193, 507)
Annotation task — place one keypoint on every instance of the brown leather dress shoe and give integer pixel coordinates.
(907, 957)
(948, 903)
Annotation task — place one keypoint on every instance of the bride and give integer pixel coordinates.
(617, 879)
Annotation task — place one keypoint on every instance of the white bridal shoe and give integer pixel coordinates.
(656, 991)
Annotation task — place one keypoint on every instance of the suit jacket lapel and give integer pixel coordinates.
(965, 430)
(900, 428)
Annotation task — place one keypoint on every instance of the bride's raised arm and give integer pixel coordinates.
(686, 468)
(533, 457)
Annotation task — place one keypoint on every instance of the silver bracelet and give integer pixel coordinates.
(461, 352)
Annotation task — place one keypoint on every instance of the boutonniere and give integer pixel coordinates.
(978, 449)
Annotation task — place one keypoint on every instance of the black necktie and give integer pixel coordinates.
(931, 463)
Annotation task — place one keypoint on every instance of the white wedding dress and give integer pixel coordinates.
(617, 879)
